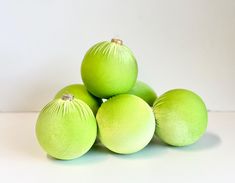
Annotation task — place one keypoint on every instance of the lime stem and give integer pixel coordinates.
(67, 97)
(117, 41)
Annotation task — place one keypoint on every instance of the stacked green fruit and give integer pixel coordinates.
(109, 68)
(125, 123)
(79, 91)
(181, 117)
(66, 128)
(144, 91)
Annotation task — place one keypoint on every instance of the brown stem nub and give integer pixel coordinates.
(117, 41)
(67, 97)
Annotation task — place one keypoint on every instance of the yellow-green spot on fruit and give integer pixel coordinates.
(126, 124)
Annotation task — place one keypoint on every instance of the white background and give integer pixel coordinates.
(178, 44)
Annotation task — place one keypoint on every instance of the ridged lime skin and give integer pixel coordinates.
(126, 124)
(66, 129)
(181, 117)
(144, 91)
(109, 69)
(79, 91)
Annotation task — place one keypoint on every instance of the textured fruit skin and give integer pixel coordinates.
(79, 91)
(109, 69)
(181, 117)
(66, 129)
(126, 124)
(144, 91)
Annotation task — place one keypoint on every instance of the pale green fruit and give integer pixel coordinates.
(181, 117)
(144, 91)
(126, 124)
(79, 91)
(109, 68)
(66, 128)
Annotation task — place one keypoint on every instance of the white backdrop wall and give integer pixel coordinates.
(178, 44)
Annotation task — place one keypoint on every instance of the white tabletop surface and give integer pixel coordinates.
(211, 159)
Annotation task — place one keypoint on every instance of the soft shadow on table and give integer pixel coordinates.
(99, 153)
(208, 140)
(157, 148)
(96, 154)
(153, 150)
